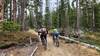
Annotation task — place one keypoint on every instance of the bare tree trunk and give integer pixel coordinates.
(58, 13)
(47, 17)
(38, 12)
(78, 14)
(1, 9)
(22, 15)
(93, 21)
(66, 26)
(87, 20)
(19, 12)
(14, 10)
(10, 9)
(93, 16)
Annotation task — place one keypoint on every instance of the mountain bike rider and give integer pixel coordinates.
(43, 34)
(56, 36)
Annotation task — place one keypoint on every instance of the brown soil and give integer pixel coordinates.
(23, 51)
(66, 49)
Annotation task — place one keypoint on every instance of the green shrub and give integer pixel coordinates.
(10, 26)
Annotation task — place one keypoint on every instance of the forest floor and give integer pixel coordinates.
(65, 49)
(17, 51)
(20, 50)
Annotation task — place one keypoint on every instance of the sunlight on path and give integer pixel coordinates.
(65, 49)
(69, 49)
(55, 51)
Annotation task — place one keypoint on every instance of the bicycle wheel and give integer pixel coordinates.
(45, 44)
(54, 40)
(57, 42)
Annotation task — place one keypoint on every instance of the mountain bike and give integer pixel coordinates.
(56, 41)
(44, 43)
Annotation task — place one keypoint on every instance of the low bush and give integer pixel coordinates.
(10, 26)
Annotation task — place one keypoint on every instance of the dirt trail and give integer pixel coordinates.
(65, 49)
(69, 49)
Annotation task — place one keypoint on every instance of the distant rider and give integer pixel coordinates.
(55, 35)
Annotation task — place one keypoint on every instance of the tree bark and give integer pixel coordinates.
(47, 16)
(1, 9)
(14, 10)
(19, 12)
(22, 15)
(78, 14)
(10, 9)
(93, 15)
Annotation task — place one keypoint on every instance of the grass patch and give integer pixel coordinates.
(92, 38)
(15, 38)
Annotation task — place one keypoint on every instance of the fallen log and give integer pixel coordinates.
(67, 38)
(82, 43)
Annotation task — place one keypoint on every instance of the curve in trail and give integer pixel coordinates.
(70, 49)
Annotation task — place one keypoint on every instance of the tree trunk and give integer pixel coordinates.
(93, 15)
(14, 10)
(38, 12)
(19, 12)
(62, 14)
(67, 18)
(10, 9)
(47, 16)
(58, 14)
(1, 9)
(93, 21)
(22, 15)
(78, 14)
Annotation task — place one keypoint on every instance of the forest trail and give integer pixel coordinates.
(55, 51)
(66, 49)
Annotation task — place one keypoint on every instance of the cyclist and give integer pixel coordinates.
(56, 37)
(43, 35)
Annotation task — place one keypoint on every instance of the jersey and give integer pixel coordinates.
(43, 31)
(55, 32)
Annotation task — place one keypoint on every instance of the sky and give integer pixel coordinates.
(52, 5)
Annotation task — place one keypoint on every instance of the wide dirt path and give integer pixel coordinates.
(66, 49)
